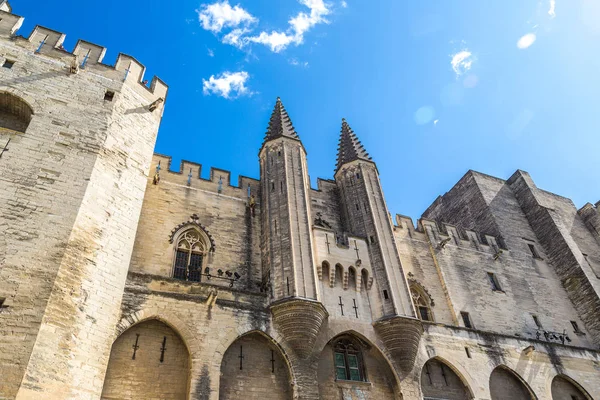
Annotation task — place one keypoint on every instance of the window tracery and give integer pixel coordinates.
(423, 303)
(190, 253)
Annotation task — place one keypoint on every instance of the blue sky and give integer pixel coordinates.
(432, 88)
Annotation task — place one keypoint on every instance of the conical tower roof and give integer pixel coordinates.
(280, 124)
(350, 148)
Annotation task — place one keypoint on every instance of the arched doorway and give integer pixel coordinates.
(350, 368)
(253, 367)
(15, 114)
(148, 361)
(505, 384)
(564, 388)
(440, 382)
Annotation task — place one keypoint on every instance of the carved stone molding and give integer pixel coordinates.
(299, 321)
(401, 336)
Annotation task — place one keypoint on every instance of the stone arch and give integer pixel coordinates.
(382, 381)
(563, 387)
(325, 270)
(255, 366)
(149, 360)
(15, 112)
(442, 380)
(352, 278)
(365, 282)
(506, 384)
(339, 275)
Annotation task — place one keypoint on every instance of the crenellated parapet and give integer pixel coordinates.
(590, 213)
(219, 181)
(47, 42)
(443, 234)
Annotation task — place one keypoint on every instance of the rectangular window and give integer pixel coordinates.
(372, 238)
(537, 321)
(109, 95)
(385, 295)
(494, 282)
(533, 251)
(195, 267)
(575, 327)
(340, 366)
(466, 319)
(181, 258)
(353, 367)
(424, 313)
(468, 352)
(8, 64)
(357, 175)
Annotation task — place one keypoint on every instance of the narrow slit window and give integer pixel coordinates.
(537, 321)
(466, 319)
(575, 327)
(358, 175)
(468, 352)
(494, 283)
(533, 250)
(109, 95)
(272, 185)
(385, 295)
(372, 238)
(357, 207)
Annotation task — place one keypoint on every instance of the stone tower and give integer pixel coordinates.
(80, 135)
(287, 243)
(365, 214)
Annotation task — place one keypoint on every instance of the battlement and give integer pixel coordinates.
(219, 181)
(448, 233)
(86, 55)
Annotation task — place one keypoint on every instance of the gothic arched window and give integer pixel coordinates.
(190, 252)
(348, 361)
(422, 302)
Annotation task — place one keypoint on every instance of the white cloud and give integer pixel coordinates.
(552, 10)
(236, 37)
(435, 121)
(343, 4)
(462, 62)
(214, 17)
(296, 63)
(210, 52)
(276, 41)
(227, 85)
(526, 40)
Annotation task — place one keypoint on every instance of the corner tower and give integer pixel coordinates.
(287, 243)
(365, 214)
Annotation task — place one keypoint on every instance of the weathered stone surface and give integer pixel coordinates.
(299, 322)
(401, 336)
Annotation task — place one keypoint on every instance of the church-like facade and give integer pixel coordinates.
(123, 277)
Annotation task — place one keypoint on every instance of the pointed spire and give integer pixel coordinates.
(350, 148)
(280, 124)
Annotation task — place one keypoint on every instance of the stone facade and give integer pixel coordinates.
(122, 277)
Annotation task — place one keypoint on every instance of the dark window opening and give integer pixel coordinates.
(385, 295)
(348, 362)
(372, 238)
(537, 321)
(8, 64)
(357, 175)
(424, 313)
(468, 352)
(357, 207)
(495, 284)
(466, 319)
(281, 186)
(575, 327)
(279, 153)
(272, 185)
(533, 251)
(109, 95)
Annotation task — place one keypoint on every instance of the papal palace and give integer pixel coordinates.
(123, 276)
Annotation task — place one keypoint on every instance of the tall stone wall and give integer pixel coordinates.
(71, 191)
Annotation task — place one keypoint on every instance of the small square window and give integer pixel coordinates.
(466, 319)
(533, 251)
(109, 95)
(575, 327)
(8, 64)
(537, 321)
(494, 282)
